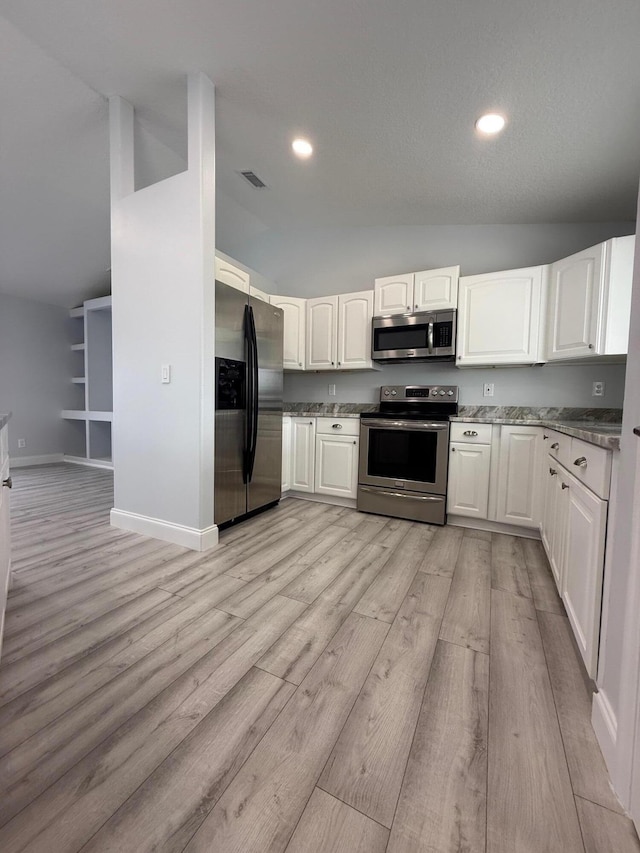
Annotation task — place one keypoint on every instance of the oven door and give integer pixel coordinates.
(404, 454)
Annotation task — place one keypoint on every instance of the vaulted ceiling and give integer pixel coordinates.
(387, 90)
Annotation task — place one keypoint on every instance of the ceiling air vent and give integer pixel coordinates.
(254, 180)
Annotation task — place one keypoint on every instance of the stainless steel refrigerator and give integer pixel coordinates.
(248, 426)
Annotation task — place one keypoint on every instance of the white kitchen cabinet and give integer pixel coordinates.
(286, 453)
(230, 274)
(336, 469)
(339, 332)
(436, 290)
(303, 432)
(583, 567)
(518, 492)
(322, 333)
(554, 517)
(500, 317)
(259, 294)
(428, 290)
(295, 317)
(393, 294)
(469, 474)
(590, 301)
(5, 538)
(355, 311)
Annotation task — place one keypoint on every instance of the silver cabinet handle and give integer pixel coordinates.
(8, 483)
(555, 445)
(470, 432)
(336, 426)
(565, 485)
(581, 461)
(590, 346)
(453, 450)
(553, 472)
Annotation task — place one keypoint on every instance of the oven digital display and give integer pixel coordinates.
(417, 392)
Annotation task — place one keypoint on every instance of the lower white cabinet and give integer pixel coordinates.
(518, 492)
(586, 522)
(469, 472)
(553, 520)
(5, 547)
(336, 465)
(303, 433)
(286, 453)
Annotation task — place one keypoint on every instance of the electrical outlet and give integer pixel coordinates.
(487, 389)
(22, 442)
(597, 389)
(332, 390)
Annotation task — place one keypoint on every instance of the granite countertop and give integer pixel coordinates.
(597, 426)
(4, 419)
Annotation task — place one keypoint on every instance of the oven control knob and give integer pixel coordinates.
(386, 393)
(442, 393)
(393, 393)
(449, 393)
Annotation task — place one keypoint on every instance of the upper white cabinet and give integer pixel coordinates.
(322, 333)
(500, 317)
(339, 331)
(590, 301)
(429, 290)
(294, 311)
(259, 294)
(232, 275)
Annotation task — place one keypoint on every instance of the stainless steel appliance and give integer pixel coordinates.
(425, 336)
(404, 454)
(248, 425)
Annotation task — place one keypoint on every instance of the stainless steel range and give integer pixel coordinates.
(404, 452)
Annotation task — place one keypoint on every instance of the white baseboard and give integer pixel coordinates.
(26, 461)
(178, 534)
(493, 526)
(321, 499)
(605, 725)
(90, 463)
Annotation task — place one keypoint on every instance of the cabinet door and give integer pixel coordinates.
(303, 431)
(436, 289)
(499, 317)
(584, 563)
(258, 294)
(575, 285)
(337, 465)
(518, 494)
(393, 294)
(5, 541)
(469, 467)
(294, 311)
(354, 330)
(558, 540)
(229, 274)
(286, 453)
(322, 333)
(552, 521)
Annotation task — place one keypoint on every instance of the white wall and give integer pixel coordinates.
(35, 370)
(163, 313)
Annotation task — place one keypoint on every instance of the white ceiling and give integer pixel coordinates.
(387, 90)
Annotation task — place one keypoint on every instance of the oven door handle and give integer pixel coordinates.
(409, 495)
(416, 425)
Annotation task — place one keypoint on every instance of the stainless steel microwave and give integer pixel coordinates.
(425, 335)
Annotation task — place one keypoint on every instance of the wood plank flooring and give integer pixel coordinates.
(324, 681)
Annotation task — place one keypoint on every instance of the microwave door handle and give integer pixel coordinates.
(430, 337)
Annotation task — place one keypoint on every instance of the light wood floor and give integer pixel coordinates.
(323, 681)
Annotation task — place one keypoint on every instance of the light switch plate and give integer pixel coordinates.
(332, 390)
(166, 374)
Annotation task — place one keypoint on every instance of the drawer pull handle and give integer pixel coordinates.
(470, 432)
(553, 472)
(555, 445)
(453, 450)
(565, 485)
(581, 461)
(8, 483)
(336, 426)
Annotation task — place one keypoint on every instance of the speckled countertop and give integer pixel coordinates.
(4, 419)
(597, 426)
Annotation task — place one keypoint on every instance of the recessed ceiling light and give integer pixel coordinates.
(490, 123)
(302, 148)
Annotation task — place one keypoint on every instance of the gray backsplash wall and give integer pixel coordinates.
(549, 385)
(35, 371)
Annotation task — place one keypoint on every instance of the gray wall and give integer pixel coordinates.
(549, 385)
(35, 366)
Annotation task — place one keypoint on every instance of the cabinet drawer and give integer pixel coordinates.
(591, 465)
(472, 433)
(557, 445)
(338, 426)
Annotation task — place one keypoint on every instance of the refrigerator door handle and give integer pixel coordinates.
(248, 429)
(252, 403)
